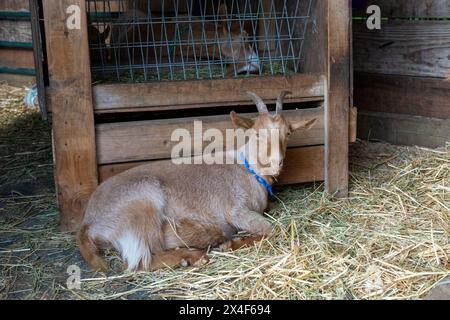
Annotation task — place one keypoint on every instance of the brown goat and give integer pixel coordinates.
(169, 215)
(136, 39)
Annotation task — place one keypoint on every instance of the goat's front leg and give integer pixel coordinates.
(250, 221)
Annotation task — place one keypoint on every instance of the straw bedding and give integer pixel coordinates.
(388, 240)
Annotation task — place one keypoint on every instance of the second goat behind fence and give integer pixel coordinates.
(197, 39)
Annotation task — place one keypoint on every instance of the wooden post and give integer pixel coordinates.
(337, 99)
(72, 111)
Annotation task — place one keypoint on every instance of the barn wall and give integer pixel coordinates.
(16, 49)
(402, 73)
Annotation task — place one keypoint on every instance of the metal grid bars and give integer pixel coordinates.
(168, 40)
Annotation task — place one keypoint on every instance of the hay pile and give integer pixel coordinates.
(389, 240)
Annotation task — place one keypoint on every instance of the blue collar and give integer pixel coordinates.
(261, 181)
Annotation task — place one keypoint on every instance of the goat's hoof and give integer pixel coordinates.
(194, 259)
(201, 262)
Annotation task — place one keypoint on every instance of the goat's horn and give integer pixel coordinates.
(262, 108)
(280, 100)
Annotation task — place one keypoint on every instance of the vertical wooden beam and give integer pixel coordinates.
(338, 97)
(38, 56)
(315, 43)
(72, 111)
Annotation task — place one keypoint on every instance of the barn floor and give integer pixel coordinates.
(389, 240)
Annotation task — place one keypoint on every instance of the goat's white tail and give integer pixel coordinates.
(140, 236)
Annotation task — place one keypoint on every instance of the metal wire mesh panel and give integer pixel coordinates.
(168, 40)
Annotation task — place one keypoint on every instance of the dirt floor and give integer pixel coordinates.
(389, 240)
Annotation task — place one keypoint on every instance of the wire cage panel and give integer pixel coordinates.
(169, 40)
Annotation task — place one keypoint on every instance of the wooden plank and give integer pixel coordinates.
(149, 140)
(416, 48)
(15, 31)
(317, 100)
(14, 5)
(38, 55)
(419, 96)
(302, 165)
(205, 92)
(353, 125)
(404, 129)
(17, 80)
(337, 99)
(409, 8)
(72, 112)
(18, 58)
(315, 39)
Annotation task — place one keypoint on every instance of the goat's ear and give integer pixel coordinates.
(241, 122)
(306, 124)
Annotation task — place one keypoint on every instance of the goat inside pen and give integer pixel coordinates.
(195, 39)
(389, 240)
(322, 62)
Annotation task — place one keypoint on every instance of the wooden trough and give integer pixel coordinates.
(89, 149)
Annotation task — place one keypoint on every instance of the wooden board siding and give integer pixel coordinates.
(148, 140)
(411, 8)
(414, 48)
(302, 165)
(403, 72)
(14, 5)
(204, 93)
(427, 97)
(16, 58)
(404, 129)
(17, 80)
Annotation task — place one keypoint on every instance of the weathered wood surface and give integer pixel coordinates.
(302, 165)
(403, 73)
(415, 48)
(15, 31)
(404, 129)
(14, 5)
(17, 80)
(72, 112)
(204, 92)
(315, 40)
(427, 97)
(148, 140)
(16, 58)
(410, 8)
(338, 96)
(353, 125)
